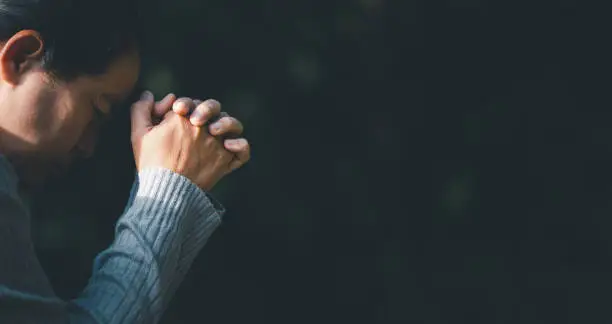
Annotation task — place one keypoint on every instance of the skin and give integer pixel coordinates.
(46, 124)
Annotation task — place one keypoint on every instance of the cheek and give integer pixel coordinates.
(71, 118)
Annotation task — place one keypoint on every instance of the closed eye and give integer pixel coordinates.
(99, 115)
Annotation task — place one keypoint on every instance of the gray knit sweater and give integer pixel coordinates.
(166, 222)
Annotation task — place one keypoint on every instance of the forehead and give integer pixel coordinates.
(120, 77)
(123, 72)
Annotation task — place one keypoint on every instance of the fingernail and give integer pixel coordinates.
(146, 95)
(236, 142)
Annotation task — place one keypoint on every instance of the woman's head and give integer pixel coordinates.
(63, 65)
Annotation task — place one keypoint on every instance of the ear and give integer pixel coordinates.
(20, 54)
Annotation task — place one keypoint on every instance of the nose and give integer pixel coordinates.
(87, 143)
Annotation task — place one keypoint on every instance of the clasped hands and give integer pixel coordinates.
(193, 138)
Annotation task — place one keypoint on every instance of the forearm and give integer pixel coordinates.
(135, 277)
(199, 229)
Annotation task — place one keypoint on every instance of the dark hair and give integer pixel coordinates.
(81, 37)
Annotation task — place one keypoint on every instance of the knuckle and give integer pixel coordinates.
(204, 109)
(213, 104)
(231, 123)
(237, 123)
(184, 102)
(225, 122)
(179, 105)
(199, 116)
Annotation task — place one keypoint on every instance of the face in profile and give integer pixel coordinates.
(47, 123)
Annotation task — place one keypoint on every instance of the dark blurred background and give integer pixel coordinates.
(413, 162)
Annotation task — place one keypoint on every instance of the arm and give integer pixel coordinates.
(193, 241)
(133, 279)
(158, 236)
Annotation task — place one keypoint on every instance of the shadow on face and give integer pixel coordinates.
(48, 123)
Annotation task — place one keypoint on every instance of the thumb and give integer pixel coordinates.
(141, 114)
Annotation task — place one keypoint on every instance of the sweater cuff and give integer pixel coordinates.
(165, 186)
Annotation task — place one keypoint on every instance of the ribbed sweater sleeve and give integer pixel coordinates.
(166, 223)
